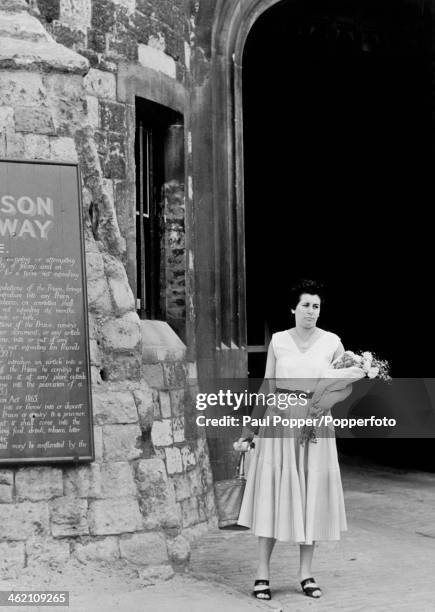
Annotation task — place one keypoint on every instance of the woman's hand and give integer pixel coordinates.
(242, 445)
(247, 433)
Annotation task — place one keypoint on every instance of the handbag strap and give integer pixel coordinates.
(240, 469)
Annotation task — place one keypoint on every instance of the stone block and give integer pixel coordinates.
(210, 502)
(108, 185)
(117, 480)
(36, 147)
(6, 486)
(177, 402)
(122, 335)
(196, 484)
(157, 496)
(121, 40)
(22, 88)
(100, 84)
(178, 429)
(94, 266)
(192, 372)
(12, 557)
(92, 111)
(96, 48)
(68, 517)
(114, 516)
(33, 120)
(99, 301)
(161, 433)
(146, 401)
(189, 512)
(49, 10)
(6, 118)
(121, 442)
(179, 550)
(95, 375)
(67, 99)
(83, 481)
(182, 486)
(98, 443)
(122, 295)
(174, 463)
(38, 483)
(144, 549)
(202, 509)
(153, 374)
(98, 290)
(94, 352)
(105, 550)
(75, 12)
(112, 116)
(121, 367)
(62, 149)
(43, 552)
(103, 15)
(20, 521)
(110, 407)
(130, 5)
(188, 457)
(114, 166)
(69, 35)
(165, 404)
(11, 144)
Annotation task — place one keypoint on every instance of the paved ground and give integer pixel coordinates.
(386, 560)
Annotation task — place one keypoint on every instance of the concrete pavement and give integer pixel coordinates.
(384, 562)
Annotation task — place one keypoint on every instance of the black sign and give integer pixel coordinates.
(45, 398)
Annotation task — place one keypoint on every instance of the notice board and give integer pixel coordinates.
(45, 394)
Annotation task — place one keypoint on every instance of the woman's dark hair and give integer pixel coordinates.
(306, 286)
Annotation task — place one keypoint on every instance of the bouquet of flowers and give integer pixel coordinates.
(367, 361)
(345, 370)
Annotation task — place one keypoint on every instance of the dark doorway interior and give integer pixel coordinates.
(337, 124)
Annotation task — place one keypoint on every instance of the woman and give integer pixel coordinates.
(293, 490)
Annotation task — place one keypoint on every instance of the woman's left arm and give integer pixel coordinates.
(320, 402)
(338, 352)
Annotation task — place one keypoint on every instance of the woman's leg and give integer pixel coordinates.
(306, 552)
(265, 548)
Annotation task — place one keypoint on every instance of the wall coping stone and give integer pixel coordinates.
(26, 45)
(160, 343)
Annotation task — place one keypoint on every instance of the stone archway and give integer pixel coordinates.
(231, 27)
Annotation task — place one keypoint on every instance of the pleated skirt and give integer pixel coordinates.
(294, 492)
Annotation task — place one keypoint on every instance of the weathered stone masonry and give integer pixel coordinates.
(149, 491)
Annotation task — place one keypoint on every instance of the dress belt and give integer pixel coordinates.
(296, 391)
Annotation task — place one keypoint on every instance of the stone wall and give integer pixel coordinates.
(146, 33)
(149, 491)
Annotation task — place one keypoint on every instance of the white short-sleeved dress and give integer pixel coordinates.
(294, 492)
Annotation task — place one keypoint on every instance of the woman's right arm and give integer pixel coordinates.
(268, 386)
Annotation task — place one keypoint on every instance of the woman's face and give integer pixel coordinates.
(307, 311)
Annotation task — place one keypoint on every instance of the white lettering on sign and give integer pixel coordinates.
(28, 207)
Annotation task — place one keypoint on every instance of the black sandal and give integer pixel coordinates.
(266, 592)
(310, 590)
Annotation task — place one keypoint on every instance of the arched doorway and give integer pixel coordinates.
(337, 153)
